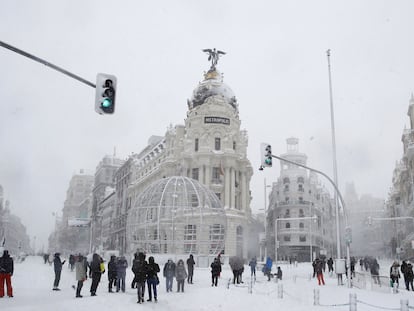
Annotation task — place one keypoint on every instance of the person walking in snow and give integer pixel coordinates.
(81, 272)
(169, 273)
(190, 266)
(267, 268)
(152, 278)
(139, 267)
(112, 273)
(409, 276)
(253, 264)
(6, 272)
(71, 262)
(319, 271)
(330, 265)
(121, 266)
(215, 271)
(279, 273)
(57, 265)
(395, 274)
(180, 275)
(95, 272)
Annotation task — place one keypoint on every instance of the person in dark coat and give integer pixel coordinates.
(408, 276)
(215, 271)
(71, 262)
(81, 272)
(95, 273)
(112, 273)
(152, 278)
(139, 267)
(236, 264)
(319, 271)
(57, 264)
(190, 266)
(330, 265)
(169, 273)
(121, 266)
(374, 269)
(279, 273)
(6, 272)
(180, 275)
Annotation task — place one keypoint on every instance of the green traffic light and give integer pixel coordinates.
(106, 103)
(268, 161)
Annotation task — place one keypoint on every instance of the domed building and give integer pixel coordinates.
(177, 215)
(210, 148)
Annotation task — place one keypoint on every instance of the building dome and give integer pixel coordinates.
(212, 85)
(177, 215)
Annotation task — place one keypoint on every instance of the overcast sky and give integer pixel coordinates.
(276, 65)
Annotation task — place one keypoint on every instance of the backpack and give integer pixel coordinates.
(394, 271)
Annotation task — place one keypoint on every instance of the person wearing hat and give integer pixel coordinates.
(57, 263)
(6, 272)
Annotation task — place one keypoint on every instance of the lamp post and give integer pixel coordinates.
(265, 218)
(314, 217)
(343, 207)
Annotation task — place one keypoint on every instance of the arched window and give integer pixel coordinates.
(301, 214)
(301, 225)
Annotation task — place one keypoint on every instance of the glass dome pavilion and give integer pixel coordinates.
(177, 215)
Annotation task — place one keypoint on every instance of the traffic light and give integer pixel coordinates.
(105, 93)
(348, 235)
(266, 154)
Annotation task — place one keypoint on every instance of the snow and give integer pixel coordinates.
(32, 286)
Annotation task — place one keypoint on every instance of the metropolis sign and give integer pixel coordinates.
(217, 120)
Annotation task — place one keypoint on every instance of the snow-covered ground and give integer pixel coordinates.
(32, 284)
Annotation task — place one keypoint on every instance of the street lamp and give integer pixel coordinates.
(314, 217)
(265, 218)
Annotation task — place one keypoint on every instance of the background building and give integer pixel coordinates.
(300, 215)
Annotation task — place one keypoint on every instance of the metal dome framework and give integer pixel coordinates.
(177, 215)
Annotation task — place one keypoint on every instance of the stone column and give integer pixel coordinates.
(243, 194)
(226, 187)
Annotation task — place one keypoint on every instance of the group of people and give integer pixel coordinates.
(406, 269)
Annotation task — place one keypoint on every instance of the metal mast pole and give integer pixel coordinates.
(335, 171)
(265, 219)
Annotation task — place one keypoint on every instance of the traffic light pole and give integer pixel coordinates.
(46, 63)
(348, 259)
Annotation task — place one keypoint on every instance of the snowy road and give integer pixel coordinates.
(32, 284)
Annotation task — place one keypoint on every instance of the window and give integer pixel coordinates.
(301, 200)
(217, 143)
(302, 238)
(301, 214)
(234, 145)
(301, 226)
(190, 237)
(216, 238)
(215, 176)
(286, 238)
(286, 180)
(218, 195)
(286, 188)
(301, 180)
(196, 144)
(287, 226)
(287, 213)
(194, 200)
(194, 174)
(300, 188)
